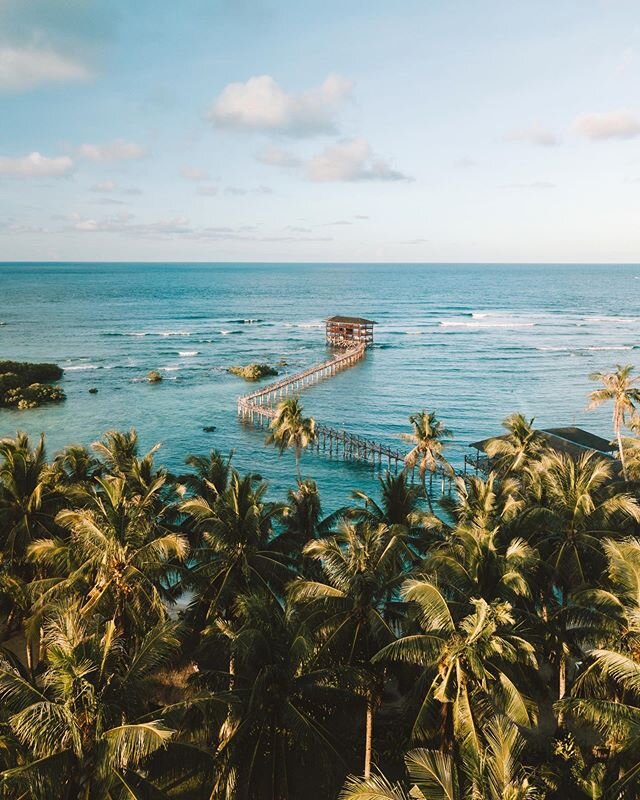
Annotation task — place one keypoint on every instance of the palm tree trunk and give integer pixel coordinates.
(426, 492)
(621, 449)
(368, 738)
(298, 465)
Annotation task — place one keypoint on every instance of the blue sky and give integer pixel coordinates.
(269, 130)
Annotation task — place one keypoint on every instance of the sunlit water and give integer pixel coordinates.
(474, 342)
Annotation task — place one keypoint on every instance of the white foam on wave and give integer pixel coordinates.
(175, 333)
(188, 352)
(78, 367)
(169, 369)
(226, 333)
(611, 347)
(477, 325)
(614, 319)
(553, 349)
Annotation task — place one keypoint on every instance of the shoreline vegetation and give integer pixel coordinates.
(183, 636)
(26, 385)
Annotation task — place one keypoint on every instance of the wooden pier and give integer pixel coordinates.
(260, 408)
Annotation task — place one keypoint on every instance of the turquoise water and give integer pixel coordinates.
(474, 342)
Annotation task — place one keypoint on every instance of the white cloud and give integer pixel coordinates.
(208, 191)
(534, 134)
(178, 228)
(261, 104)
(104, 186)
(118, 150)
(351, 160)
(278, 157)
(24, 68)
(612, 125)
(194, 174)
(35, 165)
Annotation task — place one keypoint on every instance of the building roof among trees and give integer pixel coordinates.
(572, 440)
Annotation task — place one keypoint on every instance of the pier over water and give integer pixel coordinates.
(351, 336)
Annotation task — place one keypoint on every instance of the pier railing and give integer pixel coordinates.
(260, 407)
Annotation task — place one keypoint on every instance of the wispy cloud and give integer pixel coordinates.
(531, 185)
(611, 125)
(351, 160)
(194, 174)
(261, 104)
(104, 187)
(278, 157)
(117, 150)
(125, 224)
(25, 68)
(35, 165)
(535, 134)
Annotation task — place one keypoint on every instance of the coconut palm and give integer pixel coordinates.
(279, 741)
(118, 557)
(497, 775)
(479, 557)
(621, 388)
(467, 661)
(351, 607)
(28, 498)
(429, 438)
(83, 727)
(290, 428)
(238, 550)
(510, 453)
(572, 508)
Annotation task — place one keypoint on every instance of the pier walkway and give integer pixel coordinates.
(260, 407)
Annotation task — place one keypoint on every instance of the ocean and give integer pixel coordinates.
(475, 342)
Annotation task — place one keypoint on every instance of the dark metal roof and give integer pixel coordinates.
(352, 320)
(583, 438)
(566, 440)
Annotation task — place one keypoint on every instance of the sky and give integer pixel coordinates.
(280, 130)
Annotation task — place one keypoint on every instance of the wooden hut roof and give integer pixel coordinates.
(570, 440)
(352, 320)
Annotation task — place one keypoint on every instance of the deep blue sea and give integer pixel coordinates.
(475, 342)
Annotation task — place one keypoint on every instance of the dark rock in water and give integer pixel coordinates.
(253, 372)
(26, 385)
(93, 390)
(154, 376)
(209, 428)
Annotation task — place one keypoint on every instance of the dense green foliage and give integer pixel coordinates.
(184, 636)
(27, 385)
(253, 372)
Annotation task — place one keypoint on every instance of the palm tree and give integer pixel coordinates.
(210, 476)
(571, 509)
(238, 550)
(350, 608)
(512, 452)
(466, 661)
(279, 741)
(399, 509)
(498, 775)
(429, 438)
(479, 557)
(290, 428)
(621, 388)
(119, 557)
(82, 727)
(28, 499)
